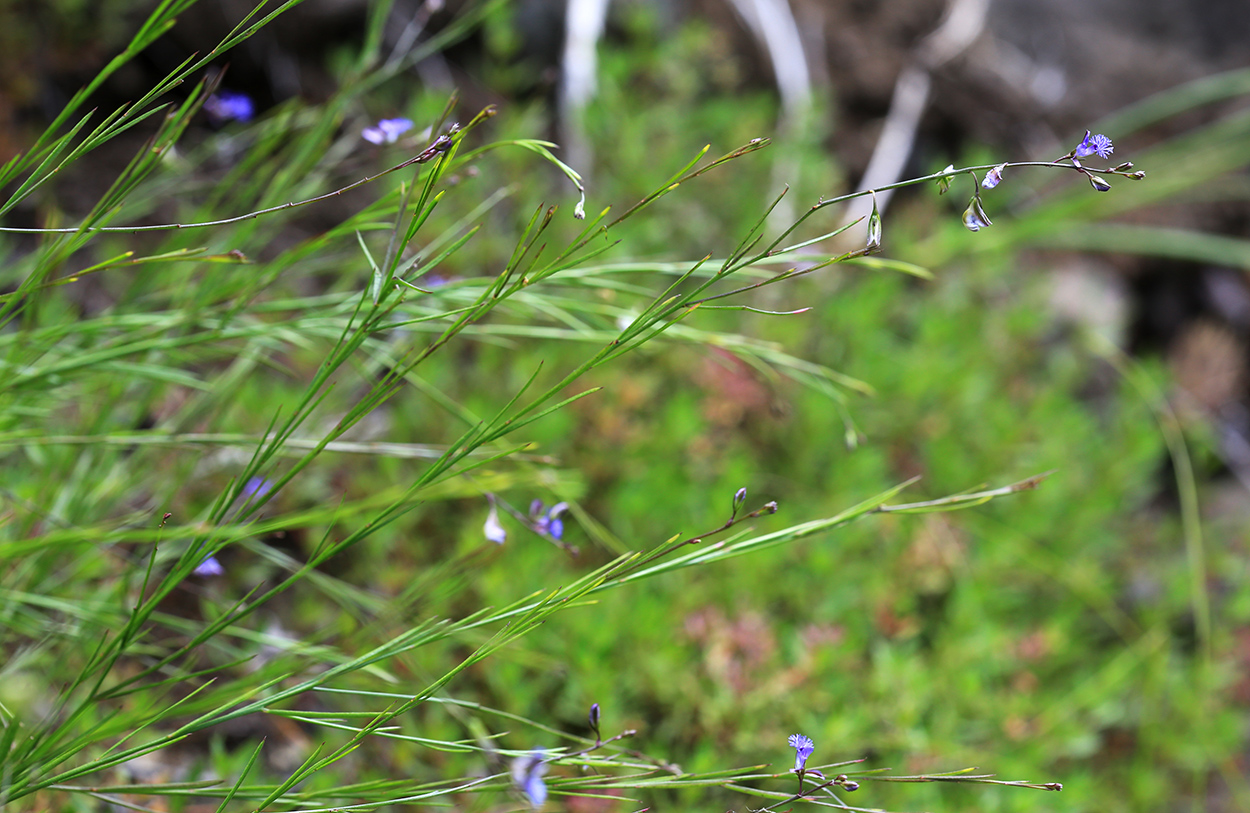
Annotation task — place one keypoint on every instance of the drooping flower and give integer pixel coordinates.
(386, 131)
(803, 747)
(527, 774)
(1097, 144)
(549, 522)
(493, 529)
(229, 105)
(975, 217)
(209, 567)
(1099, 184)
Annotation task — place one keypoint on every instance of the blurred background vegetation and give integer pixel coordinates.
(1095, 631)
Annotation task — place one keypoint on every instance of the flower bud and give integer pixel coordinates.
(1099, 184)
(975, 217)
(874, 228)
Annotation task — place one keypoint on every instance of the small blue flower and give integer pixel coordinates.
(527, 774)
(548, 523)
(1098, 145)
(387, 131)
(257, 487)
(803, 747)
(209, 567)
(493, 530)
(227, 105)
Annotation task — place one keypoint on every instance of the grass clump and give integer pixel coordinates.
(266, 540)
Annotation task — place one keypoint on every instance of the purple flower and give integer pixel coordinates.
(227, 105)
(803, 747)
(1098, 145)
(257, 487)
(527, 774)
(493, 530)
(387, 131)
(548, 523)
(994, 177)
(209, 567)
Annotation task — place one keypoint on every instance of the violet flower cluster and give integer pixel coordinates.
(1093, 144)
(542, 520)
(548, 522)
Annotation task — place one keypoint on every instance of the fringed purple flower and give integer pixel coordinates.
(803, 747)
(1097, 144)
(386, 131)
